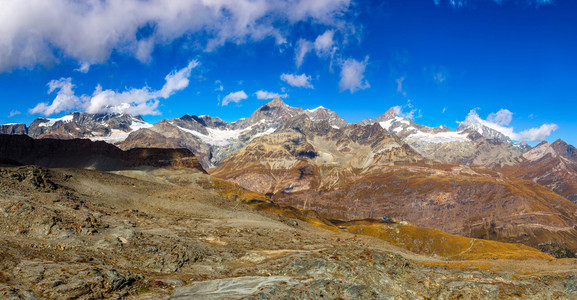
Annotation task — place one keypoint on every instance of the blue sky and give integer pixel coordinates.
(510, 61)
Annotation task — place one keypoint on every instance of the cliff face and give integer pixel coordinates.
(13, 129)
(359, 172)
(80, 153)
(551, 165)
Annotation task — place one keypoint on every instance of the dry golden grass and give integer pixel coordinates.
(437, 243)
(420, 240)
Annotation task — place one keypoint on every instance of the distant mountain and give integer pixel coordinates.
(551, 165)
(13, 129)
(110, 128)
(485, 131)
(402, 127)
(363, 171)
(474, 144)
(213, 139)
(292, 158)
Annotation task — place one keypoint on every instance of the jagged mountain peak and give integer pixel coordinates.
(565, 150)
(540, 151)
(484, 130)
(277, 102)
(111, 127)
(389, 114)
(320, 113)
(275, 111)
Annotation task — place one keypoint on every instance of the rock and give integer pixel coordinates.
(229, 287)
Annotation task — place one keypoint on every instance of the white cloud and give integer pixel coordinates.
(538, 134)
(143, 101)
(444, 110)
(352, 75)
(36, 32)
(302, 80)
(65, 98)
(501, 119)
(83, 68)
(323, 47)
(264, 95)
(177, 80)
(14, 113)
(235, 97)
(324, 44)
(400, 89)
(411, 115)
(219, 86)
(303, 47)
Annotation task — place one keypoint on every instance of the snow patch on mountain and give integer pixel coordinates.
(268, 131)
(389, 123)
(438, 138)
(118, 136)
(51, 122)
(315, 109)
(138, 124)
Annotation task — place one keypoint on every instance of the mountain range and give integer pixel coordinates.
(473, 181)
(213, 139)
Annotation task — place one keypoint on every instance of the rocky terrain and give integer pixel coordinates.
(179, 234)
(469, 144)
(299, 204)
(362, 172)
(213, 139)
(79, 153)
(13, 129)
(551, 165)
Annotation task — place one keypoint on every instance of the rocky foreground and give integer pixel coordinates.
(178, 234)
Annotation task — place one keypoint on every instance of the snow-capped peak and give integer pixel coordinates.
(315, 109)
(66, 119)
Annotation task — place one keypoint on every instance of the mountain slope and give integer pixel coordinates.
(112, 128)
(470, 144)
(551, 165)
(293, 157)
(213, 139)
(364, 172)
(81, 153)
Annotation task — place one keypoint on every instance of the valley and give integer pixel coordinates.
(295, 203)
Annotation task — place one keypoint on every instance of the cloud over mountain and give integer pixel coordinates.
(302, 80)
(235, 97)
(353, 75)
(500, 120)
(37, 32)
(142, 101)
(265, 95)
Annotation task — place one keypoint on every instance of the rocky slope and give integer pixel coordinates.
(470, 144)
(364, 172)
(13, 129)
(111, 128)
(296, 154)
(79, 153)
(69, 234)
(551, 165)
(213, 139)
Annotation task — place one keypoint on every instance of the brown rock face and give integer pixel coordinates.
(551, 165)
(364, 172)
(78, 153)
(13, 129)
